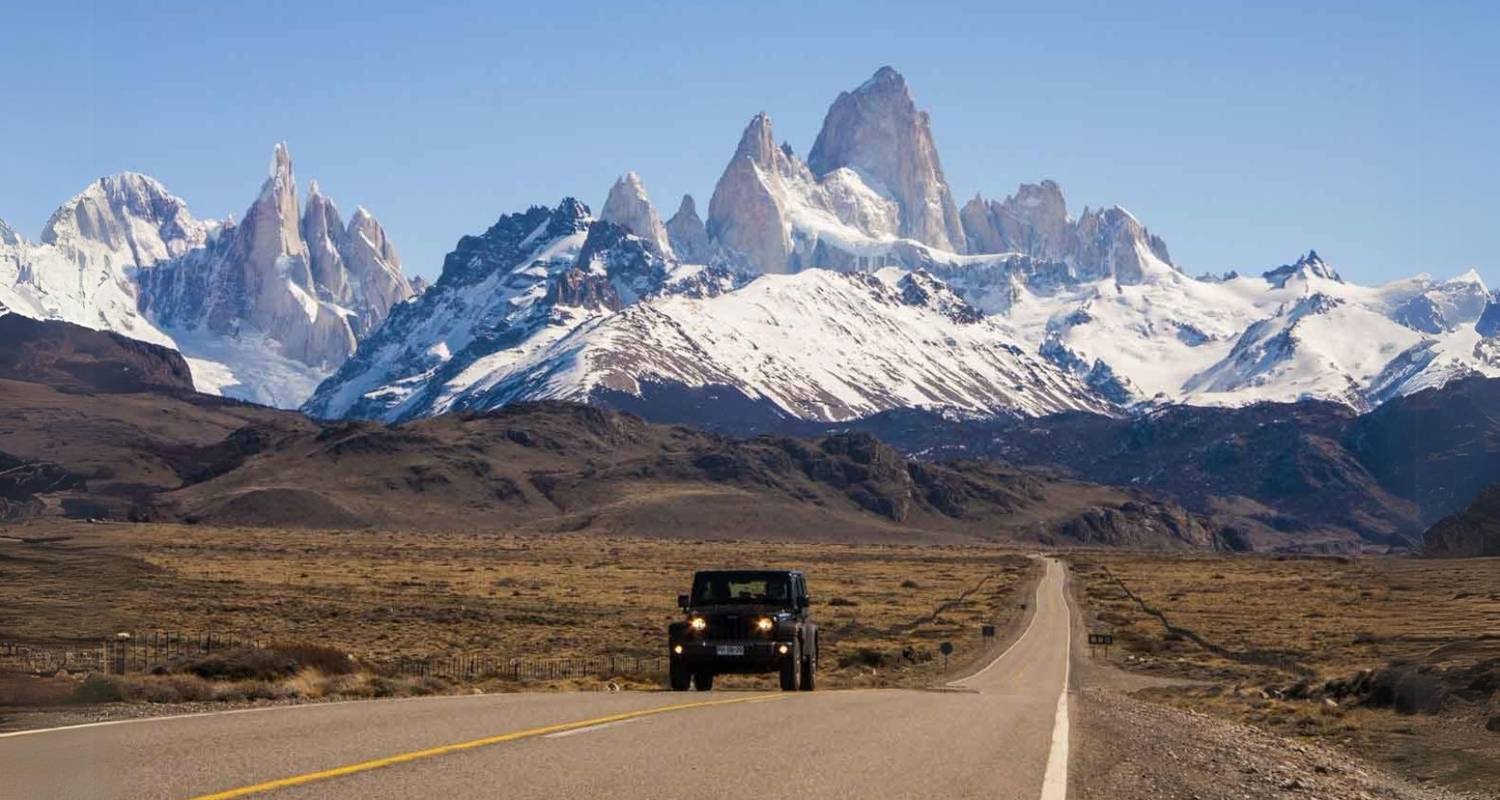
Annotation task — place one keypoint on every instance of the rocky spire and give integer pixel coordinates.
(687, 233)
(630, 208)
(374, 269)
(322, 231)
(745, 214)
(878, 131)
(271, 230)
(1033, 221)
(9, 236)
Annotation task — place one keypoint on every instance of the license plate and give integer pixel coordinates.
(729, 650)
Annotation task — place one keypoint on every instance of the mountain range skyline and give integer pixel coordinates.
(1337, 167)
(827, 288)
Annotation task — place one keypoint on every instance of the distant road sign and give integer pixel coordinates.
(987, 631)
(1101, 638)
(945, 648)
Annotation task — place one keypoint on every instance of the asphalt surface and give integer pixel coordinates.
(989, 735)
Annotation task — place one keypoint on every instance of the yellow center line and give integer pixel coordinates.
(432, 752)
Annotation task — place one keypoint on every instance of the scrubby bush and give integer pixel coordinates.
(265, 663)
(863, 657)
(99, 689)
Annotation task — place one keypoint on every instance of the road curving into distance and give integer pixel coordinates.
(1001, 732)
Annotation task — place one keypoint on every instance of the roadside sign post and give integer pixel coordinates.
(987, 631)
(1100, 640)
(946, 648)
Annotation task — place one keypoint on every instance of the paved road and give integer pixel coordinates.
(991, 736)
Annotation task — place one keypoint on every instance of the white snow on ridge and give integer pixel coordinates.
(818, 344)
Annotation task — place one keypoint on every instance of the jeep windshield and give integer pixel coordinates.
(737, 588)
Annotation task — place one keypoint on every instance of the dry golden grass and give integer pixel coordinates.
(382, 595)
(1329, 617)
(1334, 615)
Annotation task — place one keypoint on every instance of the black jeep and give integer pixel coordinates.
(743, 622)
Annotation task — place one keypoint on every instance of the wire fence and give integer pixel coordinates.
(124, 653)
(476, 667)
(157, 650)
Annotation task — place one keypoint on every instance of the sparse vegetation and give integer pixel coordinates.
(382, 596)
(1396, 658)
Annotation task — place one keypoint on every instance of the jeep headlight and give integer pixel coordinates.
(698, 623)
(763, 624)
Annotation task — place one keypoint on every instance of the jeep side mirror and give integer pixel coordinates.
(682, 601)
(804, 602)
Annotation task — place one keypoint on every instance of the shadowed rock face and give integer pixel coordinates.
(1473, 532)
(877, 131)
(66, 355)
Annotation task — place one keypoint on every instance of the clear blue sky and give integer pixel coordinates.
(1243, 134)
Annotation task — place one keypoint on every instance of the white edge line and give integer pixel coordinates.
(590, 729)
(1034, 614)
(1055, 782)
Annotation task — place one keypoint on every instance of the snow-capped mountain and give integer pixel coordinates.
(263, 309)
(555, 304)
(823, 289)
(851, 283)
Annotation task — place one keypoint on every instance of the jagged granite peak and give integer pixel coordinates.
(374, 271)
(259, 313)
(877, 131)
(1112, 243)
(1310, 265)
(758, 142)
(629, 207)
(688, 234)
(323, 233)
(307, 284)
(1033, 221)
(746, 214)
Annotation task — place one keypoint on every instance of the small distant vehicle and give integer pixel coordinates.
(743, 621)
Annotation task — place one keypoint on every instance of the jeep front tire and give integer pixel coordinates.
(789, 673)
(677, 675)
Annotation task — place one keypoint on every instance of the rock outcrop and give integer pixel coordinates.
(1034, 222)
(1308, 266)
